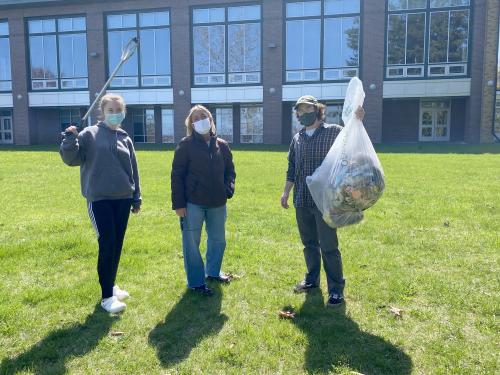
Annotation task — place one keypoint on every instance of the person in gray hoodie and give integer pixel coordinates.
(110, 182)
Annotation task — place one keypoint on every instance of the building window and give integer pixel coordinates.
(334, 113)
(58, 53)
(5, 70)
(296, 125)
(224, 123)
(252, 124)
(234, 32)
(68, 117)
(143, 120)
(6, 126)
(311, 57)
(150, 66)
(167, 125)
(445, 43)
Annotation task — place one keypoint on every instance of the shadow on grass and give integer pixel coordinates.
(49, 356)
(334, 340)
(192, 319)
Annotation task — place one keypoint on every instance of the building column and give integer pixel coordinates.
(236, 123)
(21, 118)
(181, 65)
(489, 71)
(272, 70)
(372, 65)
(477, 31)
(97, 69)
(287, 108)
(158, 124)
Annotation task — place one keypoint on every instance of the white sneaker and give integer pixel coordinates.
(120, 293)
(113, 305)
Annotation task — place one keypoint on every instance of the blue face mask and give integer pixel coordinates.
(114, 119)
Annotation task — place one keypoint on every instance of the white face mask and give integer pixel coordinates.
(202, 126)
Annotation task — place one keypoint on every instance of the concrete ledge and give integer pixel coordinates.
(427, 88)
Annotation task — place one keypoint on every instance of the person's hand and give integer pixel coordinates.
(284, 200)
(360, 113)
(181, 212)
(72, 129)
(136, 210)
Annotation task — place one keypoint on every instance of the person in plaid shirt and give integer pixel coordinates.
(307, 151)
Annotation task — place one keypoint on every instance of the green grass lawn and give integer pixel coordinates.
(430, 247)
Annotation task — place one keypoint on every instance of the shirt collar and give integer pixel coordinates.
(303, 130)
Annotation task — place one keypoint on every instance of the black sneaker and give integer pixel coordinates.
(335, 300)
(221, 278)
(204, 290)
(303, 287)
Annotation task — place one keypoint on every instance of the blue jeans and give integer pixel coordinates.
(215, 220)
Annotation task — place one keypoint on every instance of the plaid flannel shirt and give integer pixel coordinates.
(305, 155)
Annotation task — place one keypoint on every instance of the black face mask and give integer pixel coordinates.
(307, 119)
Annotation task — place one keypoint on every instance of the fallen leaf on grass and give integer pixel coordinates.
(396, 312)
(116, 333)
(286, 314)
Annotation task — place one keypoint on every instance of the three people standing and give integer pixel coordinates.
(202, 179)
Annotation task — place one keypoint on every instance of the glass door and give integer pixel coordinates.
(434, 120)
(6, 129)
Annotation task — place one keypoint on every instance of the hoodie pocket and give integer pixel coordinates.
(110, 183)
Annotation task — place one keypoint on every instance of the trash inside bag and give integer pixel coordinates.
(351, 178)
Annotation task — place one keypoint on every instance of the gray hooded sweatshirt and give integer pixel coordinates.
(108, 167)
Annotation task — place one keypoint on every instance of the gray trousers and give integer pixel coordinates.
(320, 241)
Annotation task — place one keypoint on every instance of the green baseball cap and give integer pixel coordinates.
(306, 99)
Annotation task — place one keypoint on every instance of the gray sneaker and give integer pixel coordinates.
(335, 300)
(303, 287)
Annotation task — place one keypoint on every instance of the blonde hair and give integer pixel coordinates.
(189, 122)
(108, 98)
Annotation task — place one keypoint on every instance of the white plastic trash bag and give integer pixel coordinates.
(351, 178)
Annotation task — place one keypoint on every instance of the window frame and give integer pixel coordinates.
(137, 29)
(56, 33)
(214, 107)
(10, 57)
(70, 109)
(322, 16)
(168, 108)
(247, 105)
(428, 10)
(133, 111)
(226, 24)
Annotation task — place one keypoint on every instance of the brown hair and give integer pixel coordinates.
(189, 122)
(321, 109)
(108, 98)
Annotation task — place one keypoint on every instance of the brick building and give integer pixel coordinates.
(429, 66)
